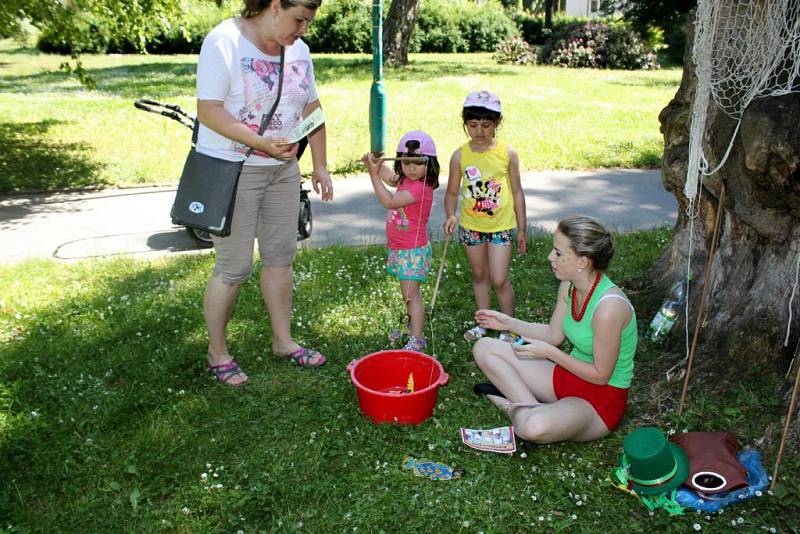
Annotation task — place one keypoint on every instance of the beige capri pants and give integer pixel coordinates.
(267, 207)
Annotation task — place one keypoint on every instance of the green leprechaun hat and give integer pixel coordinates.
(653, 464)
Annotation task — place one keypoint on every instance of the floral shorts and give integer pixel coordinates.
(472, 238)
(410, 263)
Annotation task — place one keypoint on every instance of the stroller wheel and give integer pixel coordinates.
(305, 221)
(201, 237)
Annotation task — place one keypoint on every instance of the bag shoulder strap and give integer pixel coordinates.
(265, 119)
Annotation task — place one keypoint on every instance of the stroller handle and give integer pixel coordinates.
(171, 111)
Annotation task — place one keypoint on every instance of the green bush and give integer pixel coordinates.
(438, 28)
(486, 25)
(188, 38)
(516, 51)
(80, 33)
(531, 26)
(599, 44)
(85, 32)
(341, 26)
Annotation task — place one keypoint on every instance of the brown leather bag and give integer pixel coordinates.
(713, 466)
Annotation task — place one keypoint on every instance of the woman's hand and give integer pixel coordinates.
(450, 224)
(493, 320)
(278, 148)
(533, 349)
(321, 182)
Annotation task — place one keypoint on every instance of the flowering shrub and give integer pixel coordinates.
(601, 45)
(516, 51)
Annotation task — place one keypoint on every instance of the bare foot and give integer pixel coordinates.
(507, 405)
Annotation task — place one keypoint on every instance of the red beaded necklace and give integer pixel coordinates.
(578, 316)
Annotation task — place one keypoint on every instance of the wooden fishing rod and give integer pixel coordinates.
(408, 159)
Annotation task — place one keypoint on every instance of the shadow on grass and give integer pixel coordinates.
(106, 404)
(158, 80)
(29, 162)
(642, 81)
(171, 79)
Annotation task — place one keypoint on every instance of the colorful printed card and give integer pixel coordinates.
(492, 439)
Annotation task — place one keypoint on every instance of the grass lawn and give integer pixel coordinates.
(55, 134)
(109, 422)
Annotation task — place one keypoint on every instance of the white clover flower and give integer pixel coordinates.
(697, 526)
(740, 520)
(204, 476)
(34, 413)
(185, 510)
(541, 518)
(465, 524)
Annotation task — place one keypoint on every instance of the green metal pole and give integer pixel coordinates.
(377, 94)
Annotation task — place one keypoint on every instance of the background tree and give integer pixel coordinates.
(397, 29)
(759, 243)
(549, 6)
(135, 20)
(666, 17)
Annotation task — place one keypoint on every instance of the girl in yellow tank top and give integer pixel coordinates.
(486, 172)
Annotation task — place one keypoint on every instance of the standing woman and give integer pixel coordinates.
(237, 83)
(550, 395)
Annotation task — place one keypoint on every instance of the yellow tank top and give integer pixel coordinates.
(487, 204)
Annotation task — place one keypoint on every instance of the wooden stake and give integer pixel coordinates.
(408, 159)
(788, 421)
(701, 312)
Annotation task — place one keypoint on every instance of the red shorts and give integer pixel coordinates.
(608, 401)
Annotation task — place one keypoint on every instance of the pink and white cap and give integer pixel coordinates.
(483, 99)
(426, 145)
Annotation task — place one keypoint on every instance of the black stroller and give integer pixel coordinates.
(202, 238)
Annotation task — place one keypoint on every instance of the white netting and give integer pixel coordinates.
(743, 49)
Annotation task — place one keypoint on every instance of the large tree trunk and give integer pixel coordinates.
(397, 30)
(549, 6)
(759, 243)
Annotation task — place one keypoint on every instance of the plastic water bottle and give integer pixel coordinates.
(667, 314)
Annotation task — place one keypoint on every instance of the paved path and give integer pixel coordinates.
(136, 221)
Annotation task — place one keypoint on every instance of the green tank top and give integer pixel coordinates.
(580, 334)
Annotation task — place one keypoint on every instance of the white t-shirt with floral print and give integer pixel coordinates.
(232, 70)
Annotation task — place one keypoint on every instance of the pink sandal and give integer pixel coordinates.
(225, 371)
(305, 357)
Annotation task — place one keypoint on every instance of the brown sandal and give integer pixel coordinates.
(305, 357)
(225, 371)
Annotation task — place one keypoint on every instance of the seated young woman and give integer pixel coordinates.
(550, 395)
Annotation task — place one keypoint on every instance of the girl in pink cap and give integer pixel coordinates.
(492, 205)
(409, 209)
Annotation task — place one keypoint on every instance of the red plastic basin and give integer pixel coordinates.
(381, 379)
